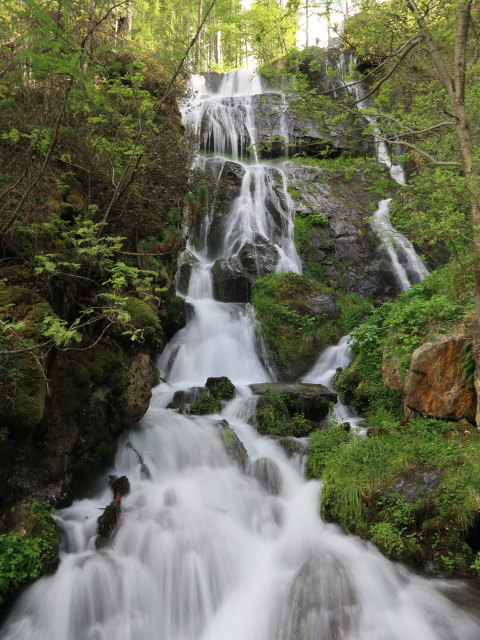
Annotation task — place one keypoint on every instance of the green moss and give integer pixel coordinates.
(206, 405)
(103, 453)
(82, 370)
(26, 556)
(413, 490)
(143, 317)
(23, 390)
(234, 447)
(292, 331)
(221, 388)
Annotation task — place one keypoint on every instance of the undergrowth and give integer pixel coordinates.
(413, 490)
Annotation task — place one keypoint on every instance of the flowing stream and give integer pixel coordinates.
(207, 550)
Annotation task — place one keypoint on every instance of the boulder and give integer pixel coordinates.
(416, 484)
(435, 384)
(293, 446)
(221, 387)
(323, 305)
(233, 277)
(186, 397)
(280, 403)
(230, 282)
(233, 445)
(138, 391)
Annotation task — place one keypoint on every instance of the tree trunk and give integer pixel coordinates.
(198, 45)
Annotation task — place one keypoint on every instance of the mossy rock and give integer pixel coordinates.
(24, 391)
(81, 371)
(206, 405)
(299, 317)
(233, 445)
(412, 490)
(221, 388)
(352, 386)
(29, 549)
(294, 334)
(144, 318)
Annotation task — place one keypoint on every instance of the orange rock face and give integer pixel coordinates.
(435, 383)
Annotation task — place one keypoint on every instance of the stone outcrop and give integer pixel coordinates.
(435, 384)
(290, 409)
(96, 394)
(344, 252)
(233, 277)
(278, 125)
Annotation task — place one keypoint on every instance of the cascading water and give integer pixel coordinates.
(324, 372)
(407, 266)
(208, 551)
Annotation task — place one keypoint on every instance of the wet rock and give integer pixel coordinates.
(232, 443)
(293, 446)
(144, 470)
(233, 277)
(107, 525)
(435, 384)
(108, 522)
(184, 398)
(345, 252)
(267, 473)
(278, 126)
(187, 262)
(258, 257)
(230, 282)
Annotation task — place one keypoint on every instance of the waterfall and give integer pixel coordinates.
(406, 264)
(324, 372)
(205, 551)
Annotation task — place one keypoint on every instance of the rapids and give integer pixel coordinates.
(206, 551)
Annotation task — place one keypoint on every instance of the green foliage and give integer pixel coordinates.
(322, 444)
(413, 490)
(293, 332)
(395, 330)
(468, 364)
(221, 388)
(206, 405)
(26, 556)
(434, 212)
(271, 414)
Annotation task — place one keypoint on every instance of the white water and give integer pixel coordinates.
(204, 551)
(407, 266)
(324, 371)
